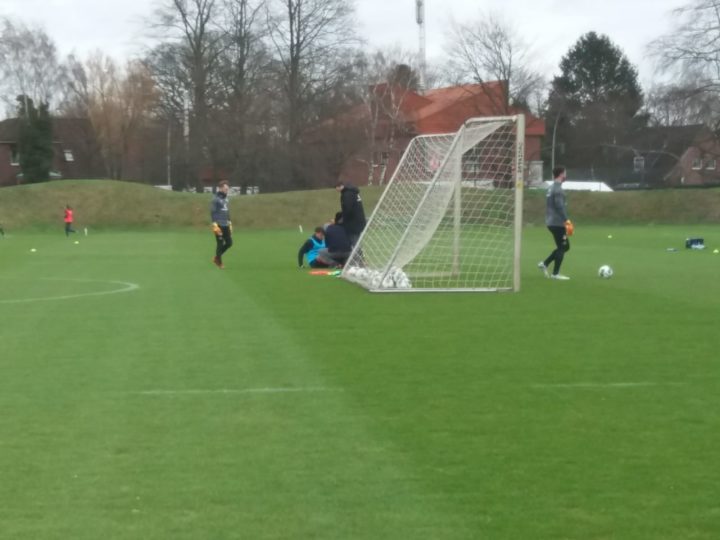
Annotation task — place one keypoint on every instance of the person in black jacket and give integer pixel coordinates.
(352, 211)
(336, 240)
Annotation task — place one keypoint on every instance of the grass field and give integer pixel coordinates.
(260, 402)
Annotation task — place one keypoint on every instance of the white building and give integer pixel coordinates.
(574, 185)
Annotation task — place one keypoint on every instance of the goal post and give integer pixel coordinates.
(519, 193)
(450, 219)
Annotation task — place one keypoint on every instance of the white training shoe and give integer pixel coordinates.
(559, 277)
(543, 268)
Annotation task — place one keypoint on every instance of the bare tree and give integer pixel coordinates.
(196, 43)
(683, 104)
(243, 33)
(310, 38)
(117, 101)
(242, 70)
(29, 64)
(386, 78)
(692, 46)
(690, 53)
(166, 62)
(489, 49)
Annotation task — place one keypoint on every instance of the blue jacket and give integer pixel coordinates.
(311, 247)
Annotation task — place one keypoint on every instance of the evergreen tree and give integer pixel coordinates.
(35, 140)
(593, 104)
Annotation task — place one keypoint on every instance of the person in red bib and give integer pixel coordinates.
(68, 220)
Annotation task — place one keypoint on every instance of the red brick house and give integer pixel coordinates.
(395, 115)
(75, 150)
(698, 164)
(670, 156)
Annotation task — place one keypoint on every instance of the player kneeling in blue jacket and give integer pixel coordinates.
(315, 251)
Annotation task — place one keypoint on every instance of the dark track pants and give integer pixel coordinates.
(562, 246)
(224, 242)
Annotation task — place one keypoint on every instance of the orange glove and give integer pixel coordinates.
(569, 228)
(216, 229)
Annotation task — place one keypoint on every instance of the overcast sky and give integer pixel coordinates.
(118, 26)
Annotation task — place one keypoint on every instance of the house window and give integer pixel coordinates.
(68, 155)
(14, 155)
(639, 164)
(711, 164)
(697, 164)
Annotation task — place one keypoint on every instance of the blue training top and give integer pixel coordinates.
(317, 246)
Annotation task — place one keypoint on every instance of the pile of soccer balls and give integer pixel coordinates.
(373, 279)
(605, 271)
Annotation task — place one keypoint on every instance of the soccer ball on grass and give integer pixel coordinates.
(605, 271)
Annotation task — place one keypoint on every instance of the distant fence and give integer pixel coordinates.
(234, 190)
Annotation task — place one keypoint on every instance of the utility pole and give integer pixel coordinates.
(420, 19)
(186, 137)
(554, 139)
(169, 152)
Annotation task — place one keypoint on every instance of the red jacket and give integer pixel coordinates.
(68, 216)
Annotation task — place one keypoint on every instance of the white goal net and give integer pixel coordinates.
(451, 216)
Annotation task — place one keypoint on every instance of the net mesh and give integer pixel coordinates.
(447, 218)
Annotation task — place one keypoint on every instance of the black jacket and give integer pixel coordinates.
(352, 209)
(336, 239)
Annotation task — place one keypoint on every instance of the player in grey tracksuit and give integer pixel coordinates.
(222, 226)
(556, 218)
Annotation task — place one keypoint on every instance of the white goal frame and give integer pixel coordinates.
(448, 171)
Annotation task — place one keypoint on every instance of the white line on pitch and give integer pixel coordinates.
(199, 391)
(604, 385)
(126, 286)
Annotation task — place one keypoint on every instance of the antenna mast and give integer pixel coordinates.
(420, 18)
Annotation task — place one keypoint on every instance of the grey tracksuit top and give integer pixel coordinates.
(555, 208)
(219, 211)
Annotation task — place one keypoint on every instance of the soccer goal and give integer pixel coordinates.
(450, 218)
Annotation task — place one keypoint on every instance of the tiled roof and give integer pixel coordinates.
(9, 130)
(441, 110)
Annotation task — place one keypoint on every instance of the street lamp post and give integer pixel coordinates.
(554, 139)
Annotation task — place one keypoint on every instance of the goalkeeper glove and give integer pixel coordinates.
(216, 229)
(230, 225)
(569, 228)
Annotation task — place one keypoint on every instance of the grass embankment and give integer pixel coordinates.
(114, 204)
(672, 206)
